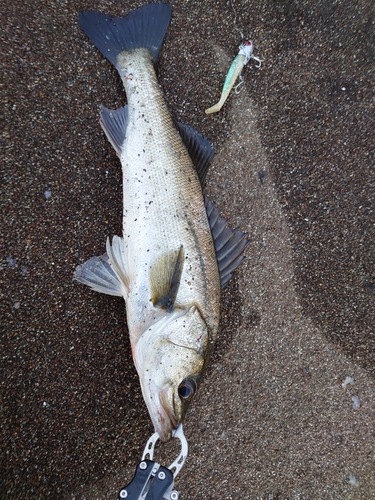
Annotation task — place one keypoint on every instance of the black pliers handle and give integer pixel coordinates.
(151, 480)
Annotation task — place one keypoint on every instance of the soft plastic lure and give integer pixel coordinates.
(242, 58)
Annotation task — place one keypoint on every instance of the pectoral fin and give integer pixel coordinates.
(165, 276)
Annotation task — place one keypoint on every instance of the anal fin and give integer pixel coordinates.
(114, 124)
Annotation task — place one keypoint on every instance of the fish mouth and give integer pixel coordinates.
(160, 407)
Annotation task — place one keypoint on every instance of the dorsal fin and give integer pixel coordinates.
(200, 149)
(229, 243)
(165, 276)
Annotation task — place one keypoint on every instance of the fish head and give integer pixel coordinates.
(170, 357)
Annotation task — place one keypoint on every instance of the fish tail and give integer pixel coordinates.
(143, 28)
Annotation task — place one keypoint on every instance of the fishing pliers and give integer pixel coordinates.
(151, 480)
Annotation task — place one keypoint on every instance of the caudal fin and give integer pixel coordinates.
(143, 28)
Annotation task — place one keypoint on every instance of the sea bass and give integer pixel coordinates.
(175, 253)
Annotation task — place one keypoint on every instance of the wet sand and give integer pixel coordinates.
(294, 167)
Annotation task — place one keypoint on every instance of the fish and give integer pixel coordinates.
(176, 252)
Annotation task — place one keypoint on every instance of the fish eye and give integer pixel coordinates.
(186, 389)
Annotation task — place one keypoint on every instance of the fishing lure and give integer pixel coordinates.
(242, 58)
